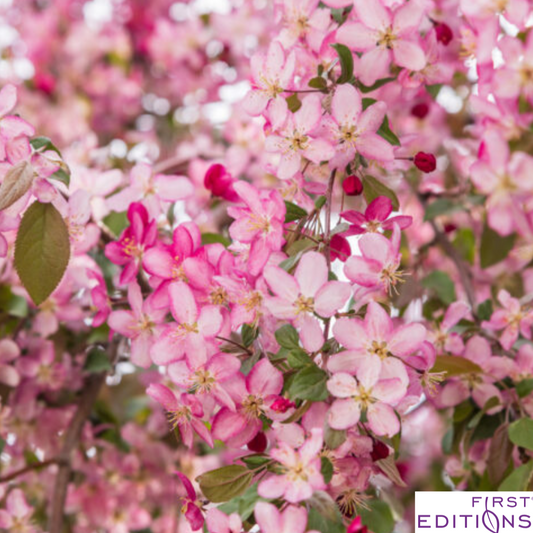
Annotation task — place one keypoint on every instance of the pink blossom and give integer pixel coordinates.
(190, 505)
(383, 36)
(301, 471)
(253, 396)
(292, 519)
(295, 139)
(218, 522)
(17, 514)
(193, 335)
(375, 343)
(352, 130)
(185, 412)
(272, 74)
(375, 218)
(513, 319)
(138, 237)
(142, 324)
(309, 291)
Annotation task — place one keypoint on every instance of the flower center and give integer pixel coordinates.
(218, 296)
(304, 304)
(253, 406)
(386, 39)
(261, 223)
(298, 141)
(179, 416)
(390, 277)
(378, 348)
(184, 329)
(203, 381)
(363, 397)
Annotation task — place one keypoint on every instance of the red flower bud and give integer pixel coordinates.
(379, 450)
(281, 405)
(357, 526)
(339, 248)
(444, 33)
(220, 182)
(259, 443)
(352, 186)
(425, 162)
(420, 110)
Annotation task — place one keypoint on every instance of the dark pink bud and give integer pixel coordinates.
(44, 82)
(444, 33)
(220, 182)
(420, 110)
(425, 162)
(449, 228)
(281, 405)
(356, 526)
(339, 248)
(352, 186)
(259, 443)
(379, 450)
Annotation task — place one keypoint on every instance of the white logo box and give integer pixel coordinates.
(482, 512)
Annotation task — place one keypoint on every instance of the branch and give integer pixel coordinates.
(463, 271)
(28, 468)
(329, 201)
(90, 392)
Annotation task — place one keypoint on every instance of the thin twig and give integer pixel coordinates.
(90, 392)
(327, 236)
(28, 468)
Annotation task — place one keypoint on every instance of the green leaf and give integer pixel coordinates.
(116, 222)
(367, 102)
(372, 188)
(61, 175)
(310, 384)
(454, 365)
(524, 388)
(318, 83)
(293, 102)
(434, 90)
(320, 202)
(441, 206)
(346, 62)
(521, 433)
(215, 238)
(43, 144)
(12, 304)
(500, 452)
(326, 469)
(225, 483)
(97, 361)
(439, 282)
(255, 461)
(243, 505)
(42, 250)
(385, 132)
(287, 337)
(378, 518)
(494, 248)
(334, 437)
(294, 212)
(518, 479)
(298, 358)
(465, 242)
(485, 310)
(318, 522)
(374, 86)
(248, 335)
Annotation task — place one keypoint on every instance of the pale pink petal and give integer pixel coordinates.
(342, 385)
(281, 283)
(357, 36)
(374, 65)
(346, 105)
(163, 395)
(373, 14)
(281, 308)
(311, 273)
(209, 321)
(372, 146)
(372, 117)
(382, 419)
(173, 188)
(310, 332)
(407, 339)
(272, 487)
(332, 297)
(344, 414)
(378, 323)
(347, 361)
(409, 55)
(264, 379)
(350, 333)
(123, 322)
(389, 390)
(294, 519)
(182, 303)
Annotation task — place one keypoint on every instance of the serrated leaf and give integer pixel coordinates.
(524, 388)
(42, 250)
(372, 188)
(454, 365)
(318, 522)
(61, 175)
(387, 134)
(310, 384)
(287, 336)
(97, 361)
(494, 248)
(294, 212)
(521, 433)
(16, 183)
(346, 62)
(248, 335)
(439, 282)
(225, 483)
